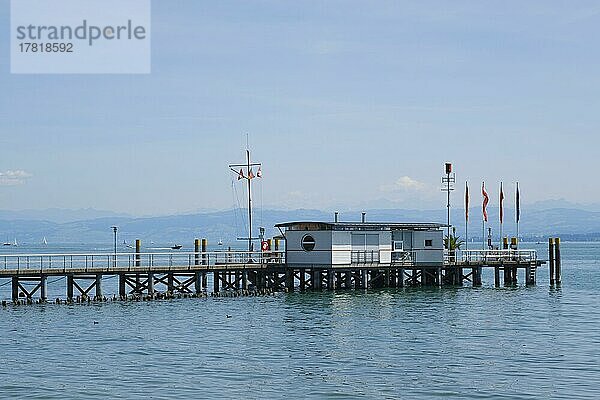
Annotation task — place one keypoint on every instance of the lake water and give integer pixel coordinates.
(512, 343)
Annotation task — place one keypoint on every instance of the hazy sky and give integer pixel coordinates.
(347, 104)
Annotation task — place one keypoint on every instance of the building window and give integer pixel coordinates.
(308, 243)
(428, 243)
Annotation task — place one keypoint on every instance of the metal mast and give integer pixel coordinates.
(448, 186)
(248, 175)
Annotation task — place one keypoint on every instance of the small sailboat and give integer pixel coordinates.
(15, 243)
(44, 241)
(176, 246)
(220, 242)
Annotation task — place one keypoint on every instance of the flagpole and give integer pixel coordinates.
(500, 246)
(466, 216)
(483, 219)
(518, 211)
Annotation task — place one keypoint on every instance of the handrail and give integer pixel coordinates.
(108, 261)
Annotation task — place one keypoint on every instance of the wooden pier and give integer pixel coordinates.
(163, 275)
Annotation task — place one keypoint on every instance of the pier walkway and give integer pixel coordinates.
(150, 274)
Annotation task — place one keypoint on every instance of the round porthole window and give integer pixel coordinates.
(308, 243)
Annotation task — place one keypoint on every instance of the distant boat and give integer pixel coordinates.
(176, 246)
(7, 244)
(15, 243)
(44, 241)
(220, 242)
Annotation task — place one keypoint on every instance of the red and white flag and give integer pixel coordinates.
(250, 174)
(259, 172)
(501, 204)
(241, 174)
(486, 200)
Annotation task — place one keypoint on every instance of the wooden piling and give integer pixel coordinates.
(497, 276)
(557, 261)
(551, 259)
(196, 251)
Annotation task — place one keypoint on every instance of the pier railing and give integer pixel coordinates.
(483, 256)
(112, 261)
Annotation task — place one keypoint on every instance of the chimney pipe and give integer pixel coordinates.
(363, 219)
(335, 217)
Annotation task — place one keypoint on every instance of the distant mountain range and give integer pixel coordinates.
(61, 226)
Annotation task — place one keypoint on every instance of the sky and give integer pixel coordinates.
(347, 104)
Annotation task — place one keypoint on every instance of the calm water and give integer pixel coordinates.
(517, 343)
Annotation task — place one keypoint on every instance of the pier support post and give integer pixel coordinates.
(150, 284)
(557, 262)
(216, 282)
(245, 279)
(70, 287)
(302, 279)
(289, 279)
(196, 251)
(122, 286)
(98, 286)
(507, 275)
(348, 280)
(551, 259)
(363, 279)
(497, 276)
(330, 279)
(198, 282)
(401, 277)
(43, 288)
(15, 288)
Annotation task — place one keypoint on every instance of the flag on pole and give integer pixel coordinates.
(250, 174)
(518, 201)
(241, 174)
(259, 172)
(501, 204)
(467, 201)
(486, 200)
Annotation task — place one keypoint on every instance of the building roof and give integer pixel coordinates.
(372, 226)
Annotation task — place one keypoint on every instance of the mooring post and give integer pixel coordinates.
(196, 251)
(138, 250)
(557, 263)
(497, 276)
(551, 259)
(98, 286)
(205, 261)
(15, 288)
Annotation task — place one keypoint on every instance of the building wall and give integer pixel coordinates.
(320, 255)
(341, 247)
(433, 254)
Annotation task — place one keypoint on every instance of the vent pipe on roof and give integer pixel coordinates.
(335, 217)
(363, 218)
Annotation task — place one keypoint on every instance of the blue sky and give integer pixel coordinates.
(347, 104)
